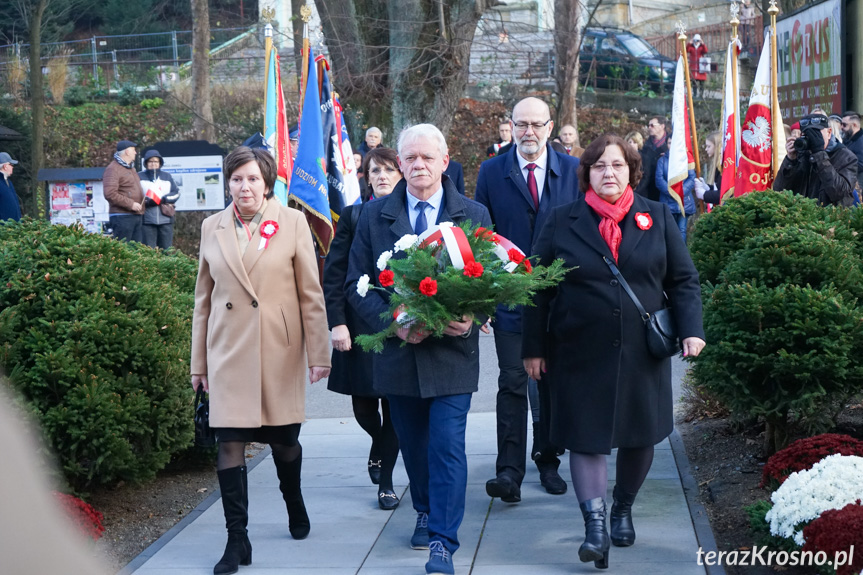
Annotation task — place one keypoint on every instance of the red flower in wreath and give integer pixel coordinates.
(643, 221)
(528, 267)
(487, 235)
(428, 287)
(515, 256)
(473, 269)
(387, 278)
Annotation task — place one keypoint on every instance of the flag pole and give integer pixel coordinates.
(268, 48)
(735, 91)
(306, 15)
(681, 35)
(775, 113)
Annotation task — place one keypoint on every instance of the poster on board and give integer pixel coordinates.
(79, 203)
(809, 46)
(200, 181)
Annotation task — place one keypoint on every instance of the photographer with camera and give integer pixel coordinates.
(817, 165)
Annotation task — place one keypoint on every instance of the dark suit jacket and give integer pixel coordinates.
(456, 173)
(607, 390)
(437, 366)
(501, 188)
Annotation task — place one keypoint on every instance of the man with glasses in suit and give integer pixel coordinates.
(817, 165)
(520, 188)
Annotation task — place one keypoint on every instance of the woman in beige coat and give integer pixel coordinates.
(259, 318)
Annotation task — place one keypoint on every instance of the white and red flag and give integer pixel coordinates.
(730, 124)
(680, 156)
(761, 134)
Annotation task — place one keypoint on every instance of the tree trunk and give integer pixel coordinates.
(566, 44)
(37, 108)
(204, 127)
(775, 433)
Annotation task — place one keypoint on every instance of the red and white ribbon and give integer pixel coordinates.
(268, 230)
(458, 247)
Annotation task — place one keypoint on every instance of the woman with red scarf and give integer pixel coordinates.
(586, 340)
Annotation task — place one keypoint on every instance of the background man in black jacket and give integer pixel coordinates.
(656, 145)
(818, 166)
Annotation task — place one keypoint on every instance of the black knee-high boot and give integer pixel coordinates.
(596, 545)
(622, 530)
(234, 486)
(289, 485)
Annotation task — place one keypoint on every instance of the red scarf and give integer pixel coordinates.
(612, 215)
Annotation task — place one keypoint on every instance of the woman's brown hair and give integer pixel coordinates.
(382, 157)
(243, 155)
(595, 150)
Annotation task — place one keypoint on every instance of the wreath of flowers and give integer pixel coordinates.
(452, 272)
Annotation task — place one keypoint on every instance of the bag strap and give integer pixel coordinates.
(355, 216)
(644, 315)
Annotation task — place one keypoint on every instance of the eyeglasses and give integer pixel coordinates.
(616, 166)
(523, 126)
(653, 124)
(816, 121)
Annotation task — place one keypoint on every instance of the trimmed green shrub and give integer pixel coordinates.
(95, 335)
(720, 233)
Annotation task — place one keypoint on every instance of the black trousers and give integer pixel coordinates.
(128, 227)
(159, 236)
(512, 410)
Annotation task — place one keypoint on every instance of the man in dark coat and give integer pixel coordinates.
(505, 133)
(825, 171)
(505, 186)
(455, 173)
(429, 381)
(852, 137)
(10, 208)
(656, 145)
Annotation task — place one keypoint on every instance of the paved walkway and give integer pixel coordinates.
(351, 536)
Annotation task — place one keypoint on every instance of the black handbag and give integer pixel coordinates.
(660, 327)
(204, 436)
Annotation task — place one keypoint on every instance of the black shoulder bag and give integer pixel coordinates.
(204, 436)
(661, 330)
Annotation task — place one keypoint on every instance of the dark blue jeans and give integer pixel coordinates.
(431, 436)
(681, 220)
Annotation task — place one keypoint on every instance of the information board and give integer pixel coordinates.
(200, 181)
(79, 203)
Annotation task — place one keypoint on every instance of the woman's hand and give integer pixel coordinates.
(692, 346)
(318, 373)
(341, 338)
(535, 367)
(200, 380)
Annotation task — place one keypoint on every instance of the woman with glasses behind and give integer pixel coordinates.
(585, 339)
(352, 367)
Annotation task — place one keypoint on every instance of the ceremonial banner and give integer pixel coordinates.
(730, 125)
(276, 128)
(680, 158)
(755, 169)
(344, 188)
(308, 185)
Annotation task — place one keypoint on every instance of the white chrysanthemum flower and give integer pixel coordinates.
(445, 225)
(832, 483)
(405, 242)
(363, 285)
(383, 259)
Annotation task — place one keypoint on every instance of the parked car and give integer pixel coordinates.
(619, 59)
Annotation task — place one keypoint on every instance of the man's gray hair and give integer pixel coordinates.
(414, 133)
(374, 130)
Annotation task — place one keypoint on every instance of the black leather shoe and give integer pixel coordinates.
(551, 479)
(503, 487)
(375, 471)
(387, 499)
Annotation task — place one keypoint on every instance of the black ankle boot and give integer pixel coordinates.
(234, 487)
(289, 485)
(622, 531)
(595, 546)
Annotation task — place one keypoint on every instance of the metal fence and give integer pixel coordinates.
(141, 59)
(716, 37)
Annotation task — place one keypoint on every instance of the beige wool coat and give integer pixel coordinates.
(259, 318)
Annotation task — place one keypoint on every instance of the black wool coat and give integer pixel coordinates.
(351, 373)
(607, 390)
(436, 366)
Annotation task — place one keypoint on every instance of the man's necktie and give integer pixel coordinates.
(531, 185)
(420, 225)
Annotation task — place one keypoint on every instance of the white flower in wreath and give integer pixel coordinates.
(383, 259)
(363, 285)
(406, 241)
(445, 225)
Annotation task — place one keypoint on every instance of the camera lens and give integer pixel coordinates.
(801, 144)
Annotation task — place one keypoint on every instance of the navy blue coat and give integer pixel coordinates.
(9, 207)
(455, 172)
(436, 366)
(502, 189)
(607, 390)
